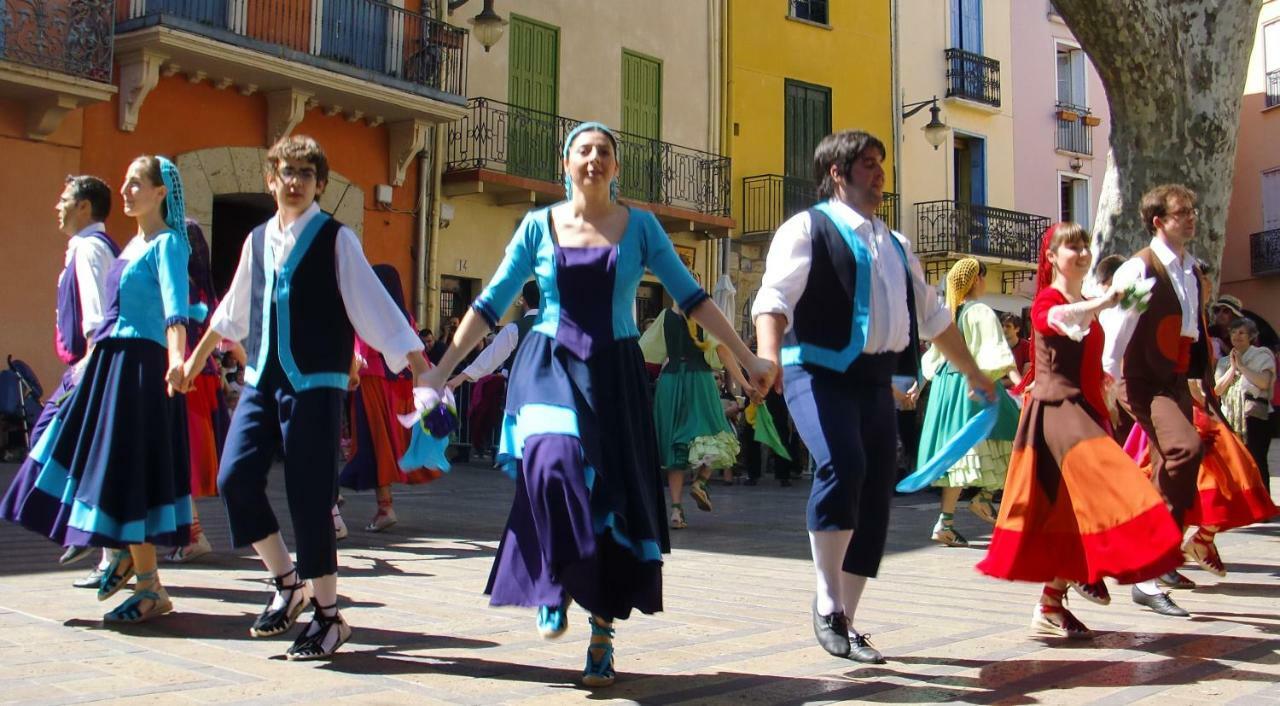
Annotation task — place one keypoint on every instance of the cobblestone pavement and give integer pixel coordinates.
(736, 627)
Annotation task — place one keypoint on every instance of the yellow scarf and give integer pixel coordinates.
(960, 281)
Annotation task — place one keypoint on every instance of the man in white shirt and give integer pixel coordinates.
(501, 353)
(842, 296)
(1152, 354)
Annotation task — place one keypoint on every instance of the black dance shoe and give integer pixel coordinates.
(323, 636)
(860, 649)
(832, 631)
(274, 621)
(1160, 603)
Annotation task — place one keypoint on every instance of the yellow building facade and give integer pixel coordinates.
(794, 72)
(647, 69)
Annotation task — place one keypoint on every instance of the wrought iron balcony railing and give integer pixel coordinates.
(363, 38)
(67, 36)
(1075, 129)
(973, 76)
(1273, 88)
(951, 226)
(1264, 253)
(502, 137)
(770, 199)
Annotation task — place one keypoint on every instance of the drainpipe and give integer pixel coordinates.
(726, 127)
(896, 82)
(431, 281)
(426, 214)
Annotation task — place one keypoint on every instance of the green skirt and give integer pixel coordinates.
(949, 407)
(686, 409)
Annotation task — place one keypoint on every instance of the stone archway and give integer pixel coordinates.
(216, 171)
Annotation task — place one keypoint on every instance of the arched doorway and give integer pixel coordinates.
(226, 193)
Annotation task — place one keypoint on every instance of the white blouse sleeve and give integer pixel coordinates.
(786, 270)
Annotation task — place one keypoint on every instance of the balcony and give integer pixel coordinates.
(770, 199)
(1075, 129)
(1264, 253)
(55, 56)
(364, 59)
(1273, 88)
(514, 154)
(954, 228)
(973, 77)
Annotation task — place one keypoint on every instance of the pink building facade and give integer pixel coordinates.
(1251, 259)
(1061, 122)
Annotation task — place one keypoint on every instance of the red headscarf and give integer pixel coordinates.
(1044, 278)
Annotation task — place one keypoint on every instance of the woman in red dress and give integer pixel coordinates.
(1076, 508)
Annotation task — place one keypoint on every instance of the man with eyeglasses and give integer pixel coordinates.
(1152, 354)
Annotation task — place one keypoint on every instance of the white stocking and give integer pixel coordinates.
(828, 549)
(851, 587)
(1149, 587)
(275, 555)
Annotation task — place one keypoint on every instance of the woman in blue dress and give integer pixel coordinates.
(587, 523)
(113, 463)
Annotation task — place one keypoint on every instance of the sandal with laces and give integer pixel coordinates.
(1056, 620)
(274, 621)
(383, 519)
(1201, 549)
(134, 609)
(982, 506)
(599, 672)
(116, 575)
(1095, 592)
(947, 534)
(311, 643)
(553, 620)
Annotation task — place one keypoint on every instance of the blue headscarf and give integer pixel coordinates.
(174, 202)
(564, 153)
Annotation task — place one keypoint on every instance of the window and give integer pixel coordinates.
(966, 25)
(1271, 199)
(1073, 199)
(807, 119)
(1271, 60)
(1071, 76)
(811, 10)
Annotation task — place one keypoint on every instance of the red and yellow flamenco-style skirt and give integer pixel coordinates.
(1229, 487)
(207, 421)
(378, 440)
(1076, 507)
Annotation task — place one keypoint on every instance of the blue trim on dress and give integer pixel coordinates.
(532, 420)
(647, 550)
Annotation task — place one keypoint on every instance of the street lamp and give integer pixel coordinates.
(487, 26)
(936, 131)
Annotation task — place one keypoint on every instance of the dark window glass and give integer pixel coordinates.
(812, 10)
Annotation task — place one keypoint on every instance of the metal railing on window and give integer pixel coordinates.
(1264, 253)
(365, 38)
(770, 199)
(503, 137)
(1075, 128)
(73, 37)
(973, 76)
(811, 10)
(951, 226)
(1273, 88)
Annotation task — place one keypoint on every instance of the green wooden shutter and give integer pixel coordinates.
(642, 124)
(807, 120)
(533, 94)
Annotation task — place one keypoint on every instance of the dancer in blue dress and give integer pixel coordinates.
(114, 460)
(587, 523)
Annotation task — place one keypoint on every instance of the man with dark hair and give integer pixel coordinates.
(83, 206)
(842, 298)
(1153, 354)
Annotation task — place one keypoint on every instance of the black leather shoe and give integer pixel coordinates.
(1160, 603)
(860, 649)
(832, 631)
(1173, 579)
(91, 581)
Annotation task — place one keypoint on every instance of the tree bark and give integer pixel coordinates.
(1174, 73)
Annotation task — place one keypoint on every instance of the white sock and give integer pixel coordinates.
(105, 561)
(275, 555)
(828, 550)
(1148, 587)
(851, 587)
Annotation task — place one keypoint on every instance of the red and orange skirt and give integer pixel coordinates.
(207, 421)
(1229, 487)
(377, 439)
(1076, 507)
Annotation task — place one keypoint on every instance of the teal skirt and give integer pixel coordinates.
(686, 409)
(949, 407)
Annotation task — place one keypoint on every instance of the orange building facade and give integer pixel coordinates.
(87, 85)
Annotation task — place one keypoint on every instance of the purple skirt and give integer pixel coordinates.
(588, 517)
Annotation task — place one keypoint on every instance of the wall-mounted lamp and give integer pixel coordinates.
(1076, 164)
(936, 131)
(487, 26)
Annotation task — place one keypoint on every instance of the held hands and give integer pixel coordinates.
(177, 379)
(762, 374)
(982, 389)
(433, 379)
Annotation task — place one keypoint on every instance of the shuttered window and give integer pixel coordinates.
(532, 91)
(642, 122)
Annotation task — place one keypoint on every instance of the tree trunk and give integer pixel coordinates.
(1174, 74)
